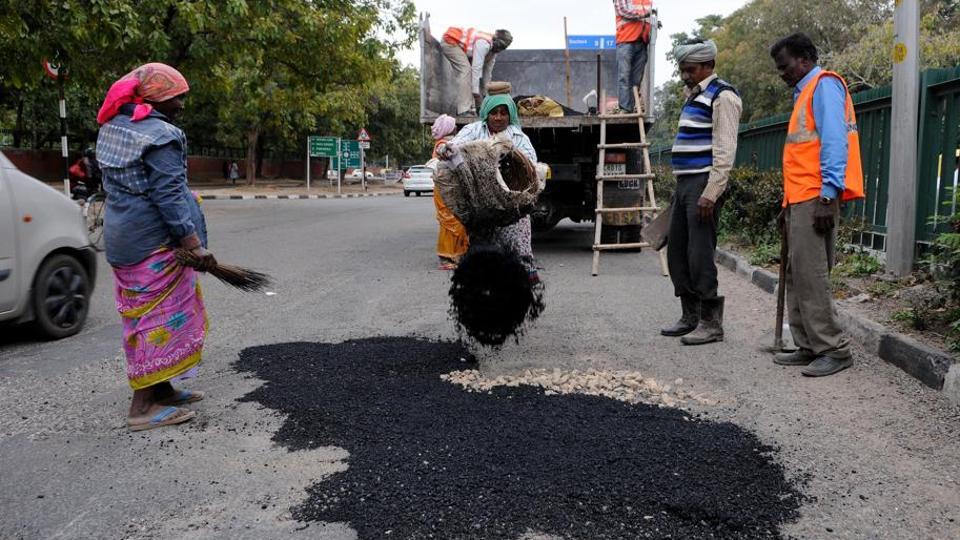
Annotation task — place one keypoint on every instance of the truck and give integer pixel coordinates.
(568, 143)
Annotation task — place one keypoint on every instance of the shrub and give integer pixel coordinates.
(858, 264)
(765, 254)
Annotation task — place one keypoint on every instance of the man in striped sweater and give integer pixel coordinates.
(703, 155)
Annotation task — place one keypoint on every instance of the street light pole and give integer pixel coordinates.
(902, 198)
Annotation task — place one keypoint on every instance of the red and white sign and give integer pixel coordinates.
(52, 70)
(363, 136)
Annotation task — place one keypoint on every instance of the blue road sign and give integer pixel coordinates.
(591, 42)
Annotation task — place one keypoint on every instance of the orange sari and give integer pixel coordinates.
(452, 242)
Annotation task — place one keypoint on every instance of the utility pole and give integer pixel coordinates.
(902, 198)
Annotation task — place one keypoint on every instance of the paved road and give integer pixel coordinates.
(875, 452)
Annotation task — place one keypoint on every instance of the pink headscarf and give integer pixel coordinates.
(153, 82)
(443, 126)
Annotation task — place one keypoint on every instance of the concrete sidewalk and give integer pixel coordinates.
(285, 189)
(293, 189)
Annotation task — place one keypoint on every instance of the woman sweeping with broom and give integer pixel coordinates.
(150, 211)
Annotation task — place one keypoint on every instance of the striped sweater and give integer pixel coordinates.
(693, 147)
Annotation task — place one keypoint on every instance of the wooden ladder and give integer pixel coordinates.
(647, 205)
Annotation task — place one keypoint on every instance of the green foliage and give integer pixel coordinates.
(838, 285)
(765, 254)
(883, 288)
(751, 205)
(910, 317)
(853, 37)
(263, 74)
(858, 264)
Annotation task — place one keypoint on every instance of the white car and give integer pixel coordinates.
(417, 179)
(47, 265)
(357, 174)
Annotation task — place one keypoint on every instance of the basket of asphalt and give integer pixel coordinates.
(429, 459)
(494, 186)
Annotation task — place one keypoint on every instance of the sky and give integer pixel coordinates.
(539, 24)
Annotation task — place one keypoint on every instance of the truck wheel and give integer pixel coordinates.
(61, 297)
(545, 216)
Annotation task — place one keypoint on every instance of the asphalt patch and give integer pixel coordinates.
(431, 460)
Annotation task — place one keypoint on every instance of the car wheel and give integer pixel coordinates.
(61, 297)
(406, 193)
(418, 194)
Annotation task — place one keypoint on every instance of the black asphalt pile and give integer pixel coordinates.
(430, 460)
(491, 296)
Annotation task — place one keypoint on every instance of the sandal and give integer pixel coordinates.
(168, 416)
(182, 397)
(447, 266)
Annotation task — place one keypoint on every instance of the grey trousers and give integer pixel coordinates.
(461, 68)
(631, 64)
(812, 313)
(691, 243)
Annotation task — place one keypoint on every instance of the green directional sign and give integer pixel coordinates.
(323, 147)
(350, 151)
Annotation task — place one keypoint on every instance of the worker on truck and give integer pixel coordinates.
(472, 54)
(633, 38)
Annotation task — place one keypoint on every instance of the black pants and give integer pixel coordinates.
(691, 243)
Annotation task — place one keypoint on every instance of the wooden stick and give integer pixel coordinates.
(781, 290)
(566, 54)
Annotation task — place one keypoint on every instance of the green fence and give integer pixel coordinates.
(761, 145)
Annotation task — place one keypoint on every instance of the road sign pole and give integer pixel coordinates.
(363, 170)
(64, 147)
(308, 163)
(339, 165)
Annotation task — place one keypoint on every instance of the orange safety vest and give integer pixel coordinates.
(465, 38)
(629, 31)
(802, 177)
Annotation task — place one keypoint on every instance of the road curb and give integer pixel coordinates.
(932, 367)
(215, 197)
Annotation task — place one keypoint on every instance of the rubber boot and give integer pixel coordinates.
(688, 320)
(710, 328)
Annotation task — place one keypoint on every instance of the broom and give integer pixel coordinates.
(234, 276)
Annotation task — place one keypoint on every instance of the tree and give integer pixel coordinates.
(270, 70)
(394, 122)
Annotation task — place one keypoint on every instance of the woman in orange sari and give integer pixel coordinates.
(452, 242)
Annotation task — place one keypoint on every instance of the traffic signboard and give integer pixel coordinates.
(323, 147)
(350, 152)
(591, 42)
(365, 145)
(363, 135)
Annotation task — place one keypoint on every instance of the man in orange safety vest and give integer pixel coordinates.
(472, 54)
(821, 167)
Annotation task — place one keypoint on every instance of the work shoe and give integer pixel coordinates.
(799, 357)
(688, 321)
(825, 365)
(710, 328)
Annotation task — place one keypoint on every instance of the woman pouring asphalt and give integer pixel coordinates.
(498, 114)
(149, 212)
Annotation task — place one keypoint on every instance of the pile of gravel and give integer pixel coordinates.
(628, 386)
(430, 460)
